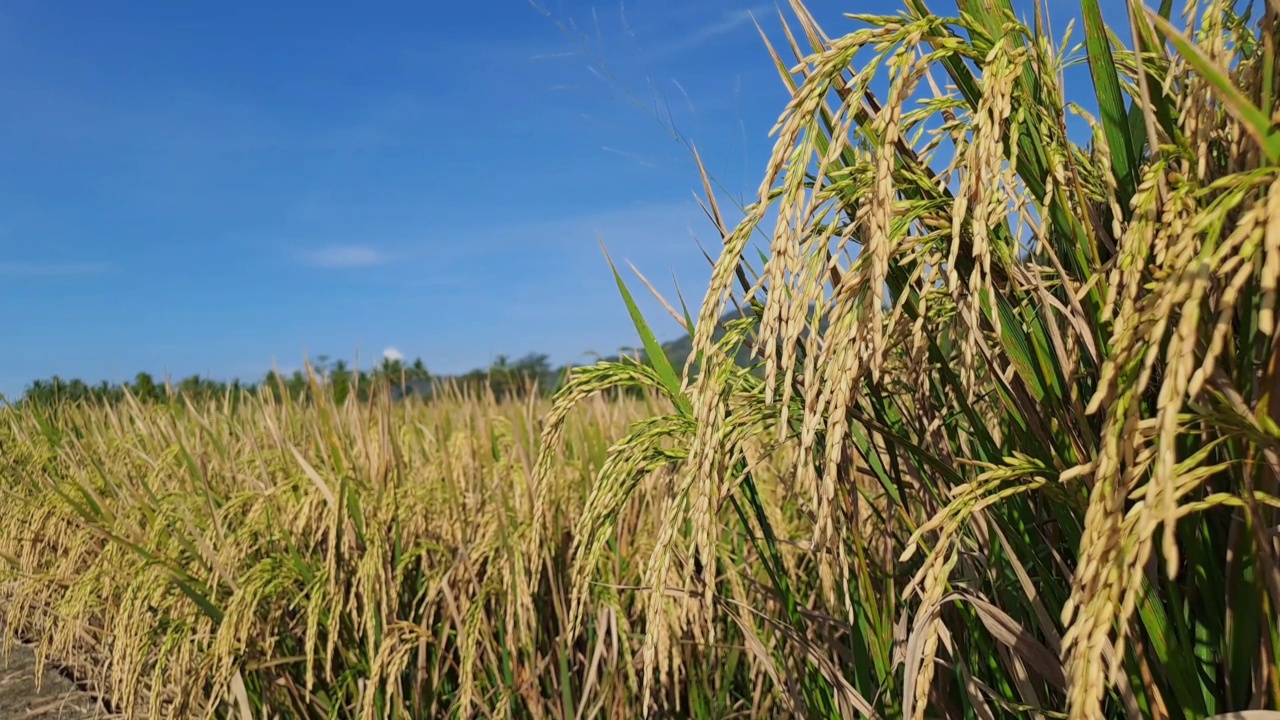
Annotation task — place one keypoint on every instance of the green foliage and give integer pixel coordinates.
(531, 373)
(1022, 382)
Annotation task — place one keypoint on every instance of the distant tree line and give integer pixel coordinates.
(504, 377)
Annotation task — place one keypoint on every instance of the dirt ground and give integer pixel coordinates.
(57, 699)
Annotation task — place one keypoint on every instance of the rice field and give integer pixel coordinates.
(312, 561)
(1008, 444)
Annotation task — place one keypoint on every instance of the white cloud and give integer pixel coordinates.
(347, 256)
(393, 355)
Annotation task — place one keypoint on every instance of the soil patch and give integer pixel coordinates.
(57, 698)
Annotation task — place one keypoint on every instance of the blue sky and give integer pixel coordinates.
(203, 188)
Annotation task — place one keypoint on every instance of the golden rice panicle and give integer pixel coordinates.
(695, 498)
(1203, 255)
(1270, 276)
(663, 622)
(797, 260)
(646, 453)
(980, 202)
(582, 383)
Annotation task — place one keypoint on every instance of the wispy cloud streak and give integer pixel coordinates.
(728, 23)
(339, 257)
(41, 269)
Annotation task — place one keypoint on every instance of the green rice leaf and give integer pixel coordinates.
(654, 354)
(1106, 85)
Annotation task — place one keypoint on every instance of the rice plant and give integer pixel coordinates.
(1006, 446)
(1022, 381)
(267, 559)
